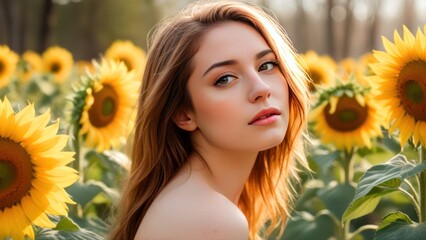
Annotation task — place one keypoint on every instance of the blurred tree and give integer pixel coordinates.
(86, 27)
(339, 28)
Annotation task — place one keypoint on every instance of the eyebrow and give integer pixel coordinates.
(232, 62)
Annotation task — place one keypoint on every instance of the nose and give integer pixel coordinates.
(259, 89)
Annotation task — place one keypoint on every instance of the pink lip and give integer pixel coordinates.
(264, 117)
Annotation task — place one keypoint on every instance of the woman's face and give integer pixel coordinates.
(239, 95)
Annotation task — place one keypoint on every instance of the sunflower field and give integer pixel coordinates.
(66, 130)
(63, 129)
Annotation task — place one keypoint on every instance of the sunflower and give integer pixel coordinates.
(59, 62)
(346, 116)
(401, 85)
(125, 51)
(8, 63)
(321, 69)
(31, 64)
(353, 68)
(109, 99)
(33, 172)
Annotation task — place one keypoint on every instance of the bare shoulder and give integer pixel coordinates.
(189, 212)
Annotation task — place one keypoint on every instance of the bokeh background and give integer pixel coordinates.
(367, 155)
(339, 28)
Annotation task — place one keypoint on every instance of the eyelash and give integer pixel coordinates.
(217, 82)
(274, 63)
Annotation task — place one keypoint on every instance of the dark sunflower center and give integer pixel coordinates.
(16, 173)
(126, 62)
(349, 115)
(56, 67)
(1, 66)
(316, 79)
(412, 89)
(7, 174)
(104, 107)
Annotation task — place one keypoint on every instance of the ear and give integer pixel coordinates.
(185, 120)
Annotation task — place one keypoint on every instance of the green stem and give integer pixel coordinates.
(76, 146)
(413, 191)
(348, 165)
(345, 230)
(330, 215)
(348, 168)
(413, 199)
(77, 165)
(342, 233)
(422, 218)
(361, 229)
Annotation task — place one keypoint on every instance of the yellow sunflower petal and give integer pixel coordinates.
(333, 104)
(51, 160)
(406, 128)
(38, 123)
(63, 176)
(53, 144)
(20, 223)
(34, 212)
(49, 205)
(7, 119)
(53, 189)
(360, 99)
(390, 47)
(408, 36)
(421, 126)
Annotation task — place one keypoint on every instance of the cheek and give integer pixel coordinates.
(286, 99)
(213, 109)
(280, 90)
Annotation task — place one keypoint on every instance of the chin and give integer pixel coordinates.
(272, 141)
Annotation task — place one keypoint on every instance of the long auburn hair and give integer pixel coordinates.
(160, 147)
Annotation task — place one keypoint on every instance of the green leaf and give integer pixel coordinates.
(391, 143)
(81, 234)
(83, 193)
(308, 193)
(118, 157)
(66, 224)
(366, 204)
(337, 197)
(378, 181)
(399, 226)
(389, 174)
(93, 223)
(108, 167)
(324, 159)
(394, 217)
(306, 226)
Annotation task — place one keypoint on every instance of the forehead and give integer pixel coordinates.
(229, 40)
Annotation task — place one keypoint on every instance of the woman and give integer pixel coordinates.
(220, 120)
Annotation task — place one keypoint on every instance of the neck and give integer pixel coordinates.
(226, 171)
